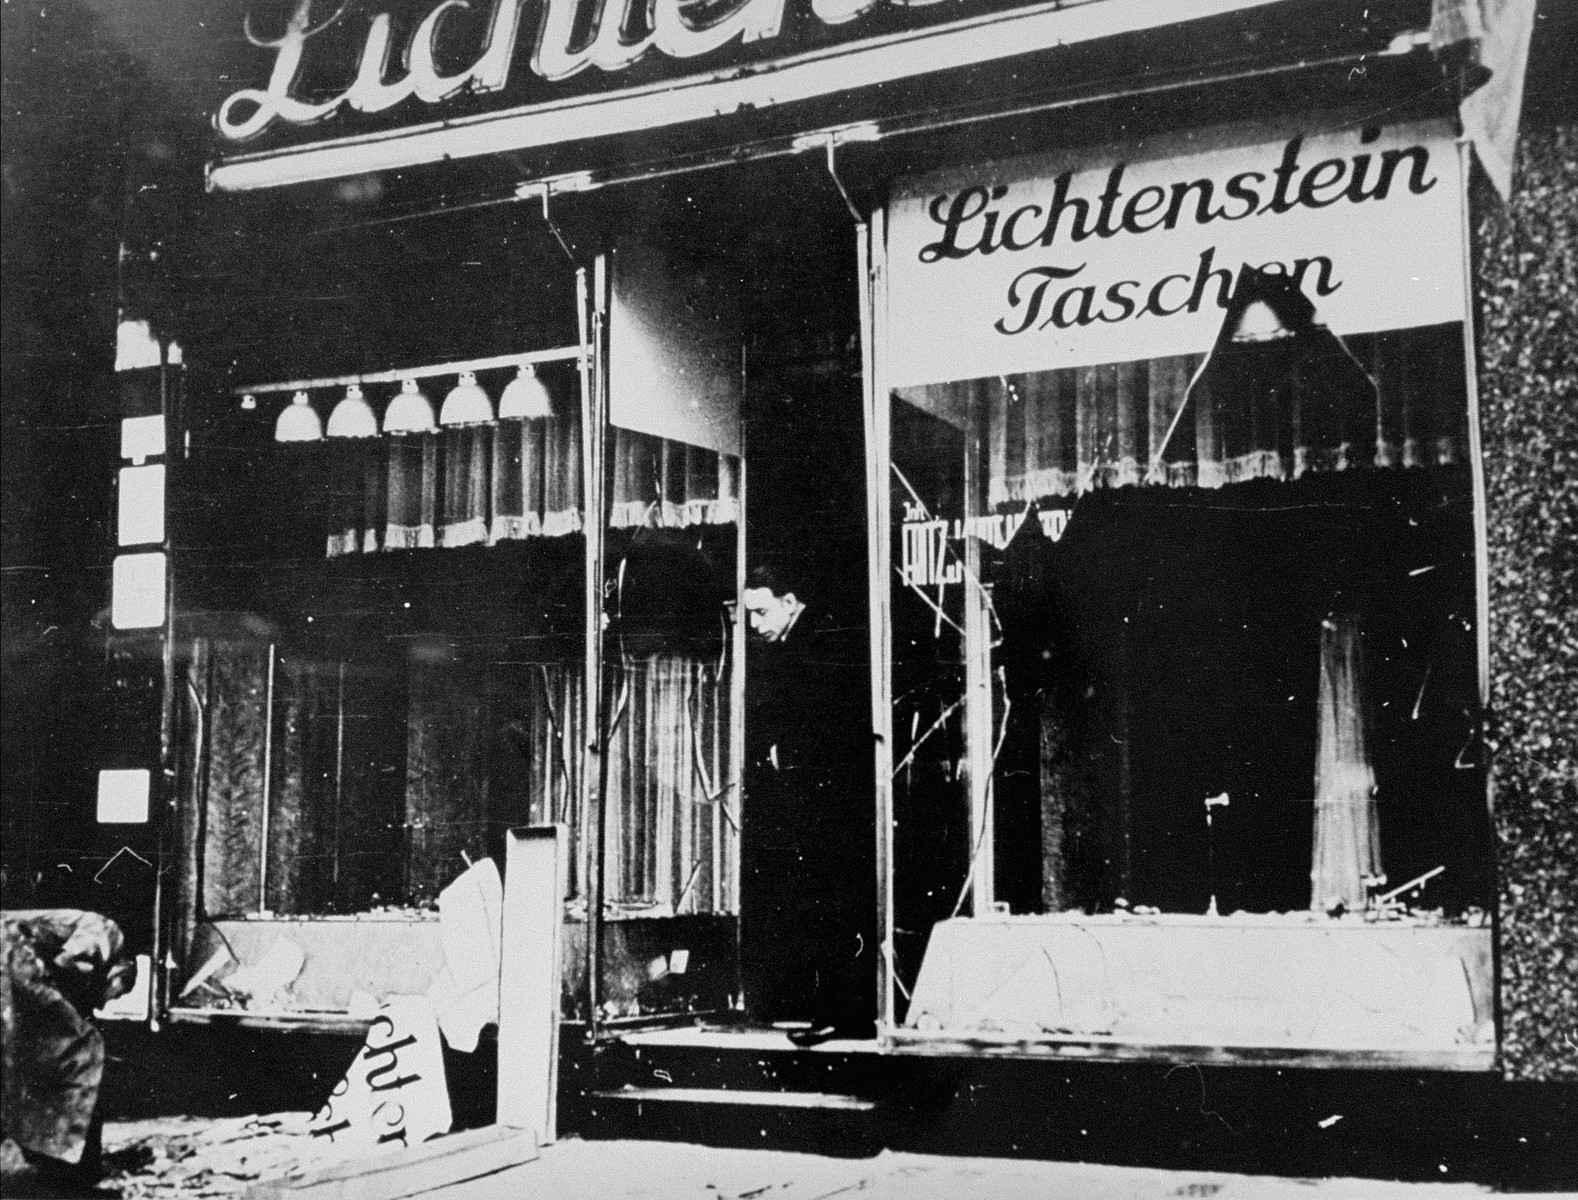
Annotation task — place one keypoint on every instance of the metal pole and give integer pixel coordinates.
(606, 679)
(194, 822)
(977, 650)
(339, 774)
(594, 390)
(268, 781)
(165, 797)
(583, 316)
(870, 247)
(726, 899)
(401, 374)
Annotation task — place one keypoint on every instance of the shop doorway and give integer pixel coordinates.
(766, 254)
(808, 867)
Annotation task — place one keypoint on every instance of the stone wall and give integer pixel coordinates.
(1528, 297)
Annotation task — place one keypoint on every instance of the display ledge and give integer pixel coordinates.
(331, 1021)
(1273, 987)
(401, 916)
(1052, 1046)
(753, 1041)
(286, 1020)
(574, 913)
(892, 1041)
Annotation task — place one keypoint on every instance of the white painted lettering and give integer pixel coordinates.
(428, 83)
(246, 113)
(556, 58)
(750, 21)
(370, 93)
(275, 100)
(621, 33)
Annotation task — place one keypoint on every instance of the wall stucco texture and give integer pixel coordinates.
(1528, 293)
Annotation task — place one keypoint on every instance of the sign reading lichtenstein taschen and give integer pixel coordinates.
(1036, 264)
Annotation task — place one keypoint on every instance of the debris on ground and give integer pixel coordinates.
(183, 1158)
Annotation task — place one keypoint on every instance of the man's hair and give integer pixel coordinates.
(779, 579)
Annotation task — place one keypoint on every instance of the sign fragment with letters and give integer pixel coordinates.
(394, 1093)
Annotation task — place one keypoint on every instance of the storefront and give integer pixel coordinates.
(1124, 416)
(386, 643)
(1182, 593)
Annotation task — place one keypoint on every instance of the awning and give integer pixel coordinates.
(1494, 35)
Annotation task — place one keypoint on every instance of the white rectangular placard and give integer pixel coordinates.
(529, 979)
(1131, 252)
(674, 350)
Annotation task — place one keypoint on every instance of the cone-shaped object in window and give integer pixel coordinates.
(1279, 395)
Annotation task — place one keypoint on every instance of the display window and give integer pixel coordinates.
(387, 657)
(1182, 643)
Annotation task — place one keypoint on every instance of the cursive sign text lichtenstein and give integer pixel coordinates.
(569, 39)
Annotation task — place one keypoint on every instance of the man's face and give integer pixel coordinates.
(770, 615)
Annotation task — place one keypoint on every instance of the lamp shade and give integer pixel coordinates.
(410, 411)
(299, 422)
(526, 397)
(353, 416)
(466, 404)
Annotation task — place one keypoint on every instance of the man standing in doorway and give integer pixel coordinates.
(809, 834)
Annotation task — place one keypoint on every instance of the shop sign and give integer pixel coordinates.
(1037, 264)
(931, 549)
(345, 87)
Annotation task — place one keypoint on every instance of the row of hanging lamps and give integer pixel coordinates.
(353, 417)
(299, 422)
(466, 404)
(525, 397)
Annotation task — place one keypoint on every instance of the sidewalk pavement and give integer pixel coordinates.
(187, 1158)
(630, 1170)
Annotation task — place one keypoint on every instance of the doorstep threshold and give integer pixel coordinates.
(973, 1044)
(737, 1097)
(296, 1020)
(754, 1040)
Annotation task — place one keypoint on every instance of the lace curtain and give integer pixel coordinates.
(303, 777)
(1060, 433)
(380, 787)
(468, 485)
(1347, 831)
(659, 483)
(671, 834)
(462, 485)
